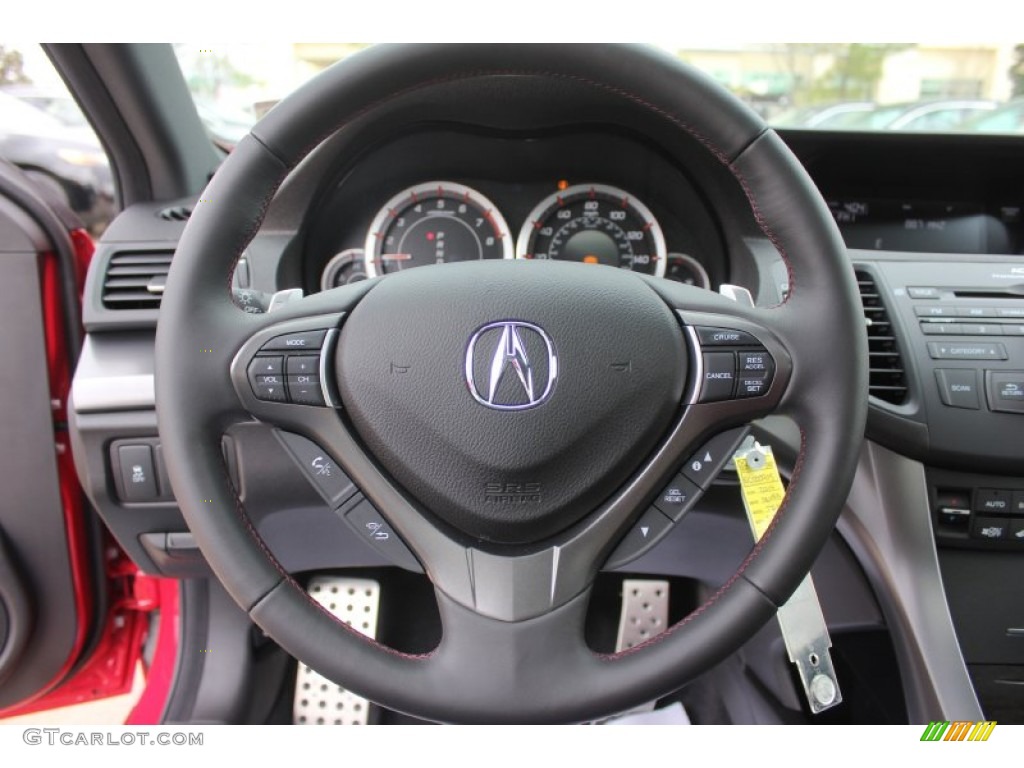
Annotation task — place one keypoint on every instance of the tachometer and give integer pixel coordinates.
(594, 224)
(435, 223)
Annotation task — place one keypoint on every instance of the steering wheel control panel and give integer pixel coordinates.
(290, 369)
(733, 364)
(678, 497)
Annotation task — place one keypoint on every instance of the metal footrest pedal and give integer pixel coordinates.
(319, 701)
(644, 615)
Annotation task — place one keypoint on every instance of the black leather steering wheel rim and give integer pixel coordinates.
(486, 668)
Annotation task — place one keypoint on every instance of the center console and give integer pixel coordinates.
(947, 375)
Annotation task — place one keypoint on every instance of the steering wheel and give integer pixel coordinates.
(571, 391)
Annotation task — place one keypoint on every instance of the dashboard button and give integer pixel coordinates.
(723, 337)
(1017, 505)
(990, 528)
(952, 350)
(677, 498)
(305, 392)
(752, 386)
(923, 293)
(941, 329)
(303, 364)
(138, 476)
(992, 500)
(705, 464)
(756, 362)
(333, 484)
(719, 376)
(1017, 530)
(1005, 391)
(270, 388)
(1013, 329)
(1010, 312)
(977, 312)
(935, 310)
(266, 365)
(958, 387)
(375, 530)
(978, 329)
(297, 341)
(645, 533)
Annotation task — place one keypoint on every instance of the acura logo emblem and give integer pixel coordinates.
(511, 365)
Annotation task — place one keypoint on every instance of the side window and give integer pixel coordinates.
(43, 132)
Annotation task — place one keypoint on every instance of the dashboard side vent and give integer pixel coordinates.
(887, 380)
(135, 279)
(176, 213)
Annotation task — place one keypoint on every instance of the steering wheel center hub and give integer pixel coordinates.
(511, 398)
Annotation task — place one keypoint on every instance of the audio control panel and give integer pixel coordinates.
(958, 329)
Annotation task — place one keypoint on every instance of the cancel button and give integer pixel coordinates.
(958, 387)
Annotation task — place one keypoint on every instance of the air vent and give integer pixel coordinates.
(135, 280)
(176, 213)
(888, 380)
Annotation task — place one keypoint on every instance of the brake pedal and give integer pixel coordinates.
(319, 701)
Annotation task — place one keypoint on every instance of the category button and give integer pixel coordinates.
(951, 350)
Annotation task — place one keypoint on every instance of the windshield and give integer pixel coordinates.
(969, 87)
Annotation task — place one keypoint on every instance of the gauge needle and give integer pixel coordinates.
(395, 256)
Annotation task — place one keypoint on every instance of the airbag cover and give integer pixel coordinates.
(574, 373)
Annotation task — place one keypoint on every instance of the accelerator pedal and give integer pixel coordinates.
(319, 701)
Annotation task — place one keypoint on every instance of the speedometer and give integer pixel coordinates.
(594, 224)
(435, 223)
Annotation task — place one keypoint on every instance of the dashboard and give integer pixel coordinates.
(933, 518)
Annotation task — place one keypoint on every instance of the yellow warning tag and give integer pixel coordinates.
(761, 486)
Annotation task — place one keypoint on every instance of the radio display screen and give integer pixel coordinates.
(928, 226)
